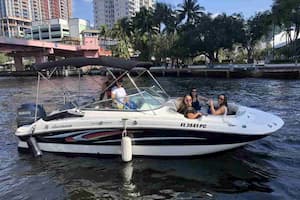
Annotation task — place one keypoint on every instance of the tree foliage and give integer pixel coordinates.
(286, 14)
(185, 32)
(3, 58)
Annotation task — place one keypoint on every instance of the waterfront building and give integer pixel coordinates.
(108, 12)
(51, 9)
(281, 39)
(58, 30)
(16, 16)
(76, 26)
(104, 42)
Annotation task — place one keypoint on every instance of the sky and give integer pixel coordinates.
(84, 8)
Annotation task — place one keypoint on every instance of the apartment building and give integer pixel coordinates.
(51, 9)
(108, 12)
(147, 3)
(16, 15)
(58, 30)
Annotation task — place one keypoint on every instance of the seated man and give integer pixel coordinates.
(119, 95)
(187, 109)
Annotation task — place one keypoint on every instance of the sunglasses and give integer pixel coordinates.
(188, 100)
(194, 91)
(221, 98)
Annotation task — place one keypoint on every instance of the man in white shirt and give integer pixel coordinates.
(119, 95)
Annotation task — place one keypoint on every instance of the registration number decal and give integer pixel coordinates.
(193, 125)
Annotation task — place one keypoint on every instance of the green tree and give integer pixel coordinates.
(255, 28)
(122, 31)
(145, 29)
(3, 58)
(190, 10)
(287, 16)
(164, 17)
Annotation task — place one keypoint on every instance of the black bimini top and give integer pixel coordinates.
(105, 61)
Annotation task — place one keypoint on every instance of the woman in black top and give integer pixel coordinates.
(197, 99)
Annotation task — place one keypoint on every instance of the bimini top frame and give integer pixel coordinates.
(105, 61)
(110, 62)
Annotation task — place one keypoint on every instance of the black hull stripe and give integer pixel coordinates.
(151, 137)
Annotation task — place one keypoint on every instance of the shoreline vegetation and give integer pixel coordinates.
(188, 34)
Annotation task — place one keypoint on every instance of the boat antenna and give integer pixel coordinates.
(37, 96)
(79, 79)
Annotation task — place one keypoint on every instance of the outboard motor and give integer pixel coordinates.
(26, 113)
(34, 147)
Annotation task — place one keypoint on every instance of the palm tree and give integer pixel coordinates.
(144, 28)
(190, 10)
(122, 31)
(144, 23)
(164, 15)
(104, 33)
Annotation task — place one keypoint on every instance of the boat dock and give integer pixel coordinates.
(272, 71)
(282, 71)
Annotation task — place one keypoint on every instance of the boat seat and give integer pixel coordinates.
(232, 109)
(177, 102)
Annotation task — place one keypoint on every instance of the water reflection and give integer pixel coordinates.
(237, 171)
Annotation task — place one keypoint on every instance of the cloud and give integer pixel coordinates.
(88, 1)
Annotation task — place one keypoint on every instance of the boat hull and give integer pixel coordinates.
(137, 150)
(148, 142)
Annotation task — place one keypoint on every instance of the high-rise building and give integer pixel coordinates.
(51, 9)
(16, 15)
(147, 3)
(108, 12)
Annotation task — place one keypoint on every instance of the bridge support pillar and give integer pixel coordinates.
(19, 63)
(39, 59)
(51, 57)
(227, 74)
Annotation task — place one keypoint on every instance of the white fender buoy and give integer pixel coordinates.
(34, 147)
(126, 149)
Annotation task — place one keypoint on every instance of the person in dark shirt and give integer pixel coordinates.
(187, 109)
(106, 93)
(197, 99)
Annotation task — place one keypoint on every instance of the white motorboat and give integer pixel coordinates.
(150, 126)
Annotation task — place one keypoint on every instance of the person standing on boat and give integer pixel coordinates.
(197, 99)
(187, 109)
(106, 94)
(222, 106)
(119, 95)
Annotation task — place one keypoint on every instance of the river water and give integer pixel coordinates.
(265, 169)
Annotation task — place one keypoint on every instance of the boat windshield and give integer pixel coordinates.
(142, 100)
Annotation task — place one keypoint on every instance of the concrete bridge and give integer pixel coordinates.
(19, 48)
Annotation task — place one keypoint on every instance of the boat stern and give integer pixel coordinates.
(24, 130)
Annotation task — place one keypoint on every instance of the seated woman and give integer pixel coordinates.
(197, 99)
(222, 106)
(186, 108)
